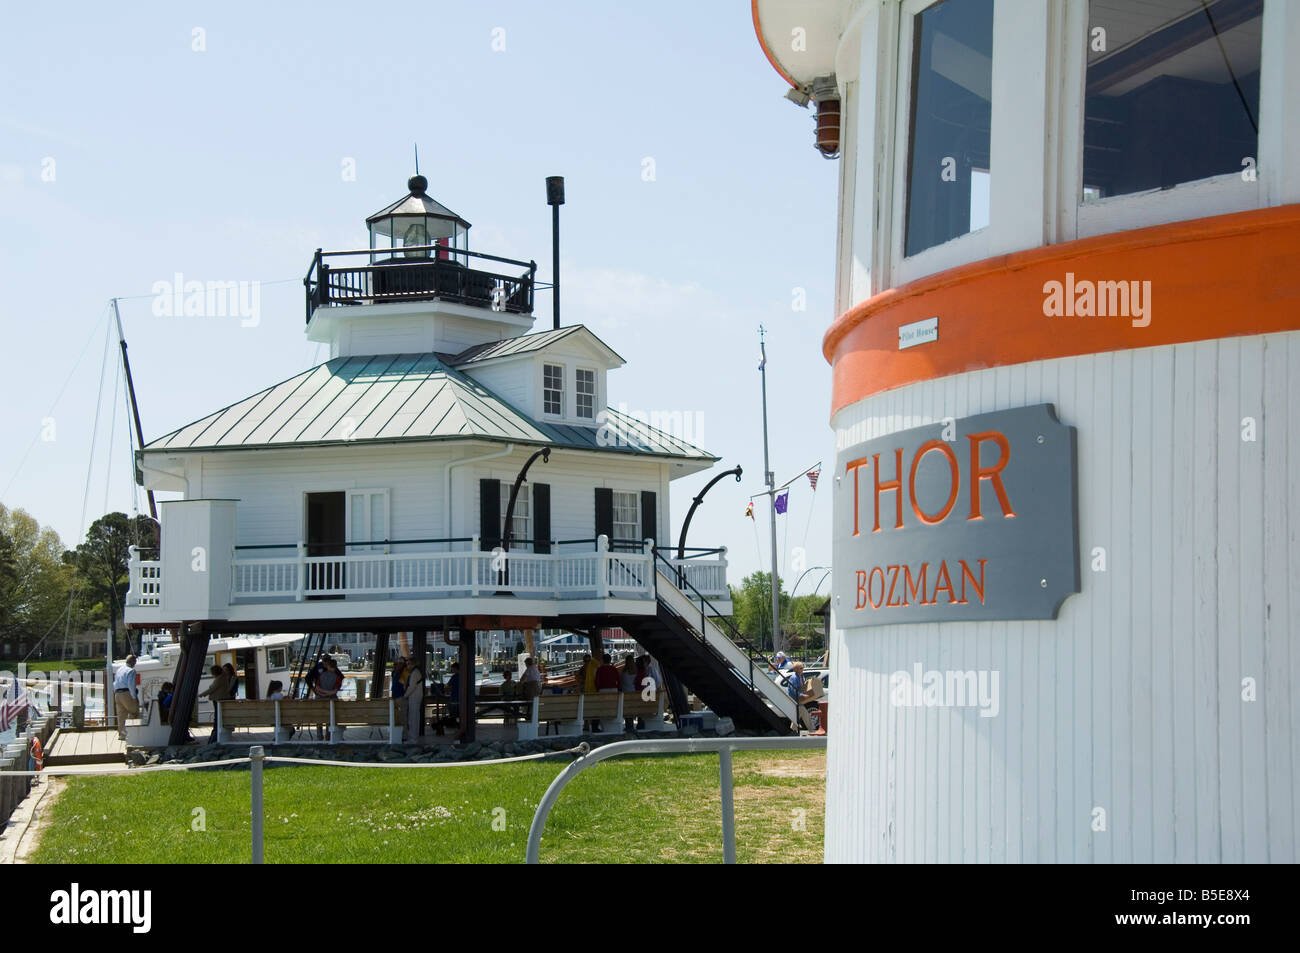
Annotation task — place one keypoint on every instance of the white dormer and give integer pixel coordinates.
(554, 376)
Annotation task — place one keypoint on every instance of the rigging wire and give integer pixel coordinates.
(112, 433)
(49, 414)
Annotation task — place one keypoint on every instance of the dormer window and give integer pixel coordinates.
(585, 393)
(553, 389)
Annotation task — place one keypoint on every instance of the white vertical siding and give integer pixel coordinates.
(1131, 701)
(573, 479)
(270, 486)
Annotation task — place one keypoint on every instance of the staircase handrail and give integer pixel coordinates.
(736, 636)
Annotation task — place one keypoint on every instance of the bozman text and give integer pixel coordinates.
(888, 486)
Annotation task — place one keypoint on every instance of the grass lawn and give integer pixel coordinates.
(68, 665)
(628, 810)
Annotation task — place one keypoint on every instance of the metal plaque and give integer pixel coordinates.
(962, 520)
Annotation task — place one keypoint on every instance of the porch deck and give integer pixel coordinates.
(422, 578)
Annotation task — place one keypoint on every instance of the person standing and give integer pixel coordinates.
(399, 674)
(217, 691)
(796, 686)
(126, 695)
(654, 673)
(414, 696)
(530, 683)
(328, 684)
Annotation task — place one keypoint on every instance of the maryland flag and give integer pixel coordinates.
(749, 510)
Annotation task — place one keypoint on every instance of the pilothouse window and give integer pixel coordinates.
(1172, 93)
(948, 170)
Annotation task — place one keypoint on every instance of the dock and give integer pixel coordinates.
(85, 746)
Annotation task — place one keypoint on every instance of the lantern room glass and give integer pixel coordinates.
(396, 232)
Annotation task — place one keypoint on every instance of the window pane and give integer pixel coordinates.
(1172, 93)
(552, 389)
(952, 80)
(586, 394)
(627, 523)
(520, 529)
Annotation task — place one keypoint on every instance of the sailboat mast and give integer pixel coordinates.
(135, 409)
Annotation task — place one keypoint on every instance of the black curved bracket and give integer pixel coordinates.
(681, 540)
(545, 454)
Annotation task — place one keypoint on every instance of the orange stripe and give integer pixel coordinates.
(758, 29)
(1210, 278)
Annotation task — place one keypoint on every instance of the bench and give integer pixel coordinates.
(610, 708)
(337, 713)
(148, 731)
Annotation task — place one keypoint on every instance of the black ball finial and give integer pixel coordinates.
(417, 184)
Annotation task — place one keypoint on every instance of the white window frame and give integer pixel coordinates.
(595, 393)
(636, 510)
(526, 500)
(385, 532)
(1200, 198)
(563, 373)
(971, 246)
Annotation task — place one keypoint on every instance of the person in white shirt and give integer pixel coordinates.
(530, 683)
(126, 695)
(414, 698)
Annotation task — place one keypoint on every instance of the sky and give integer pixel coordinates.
(227, 142)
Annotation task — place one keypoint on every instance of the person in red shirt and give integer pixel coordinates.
(607, 676)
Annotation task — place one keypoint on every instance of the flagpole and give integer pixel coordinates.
(771, 488)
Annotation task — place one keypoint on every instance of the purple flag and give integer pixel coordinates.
(782, 501)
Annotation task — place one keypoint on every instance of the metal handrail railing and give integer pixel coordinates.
(723, 747)
(317, 280)
(734, 634)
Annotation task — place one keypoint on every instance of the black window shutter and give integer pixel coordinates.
(649, 517)
(604, 512)
(489, 514)
(541, 517)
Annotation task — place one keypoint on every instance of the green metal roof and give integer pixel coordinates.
(526, 343)
(402, 397)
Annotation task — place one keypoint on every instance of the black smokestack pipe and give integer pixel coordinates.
(555, 198)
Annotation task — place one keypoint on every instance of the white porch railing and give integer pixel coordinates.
(599, 573)
(145, 580)
(709, 576)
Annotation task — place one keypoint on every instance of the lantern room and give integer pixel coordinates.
(416, 225)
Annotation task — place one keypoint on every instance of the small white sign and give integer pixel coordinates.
(918, 332)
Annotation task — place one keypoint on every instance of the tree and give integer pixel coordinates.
(753, 608)
(34, 580)
(103, 560)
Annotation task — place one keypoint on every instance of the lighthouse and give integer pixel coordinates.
(449, 470)
(1066, 411)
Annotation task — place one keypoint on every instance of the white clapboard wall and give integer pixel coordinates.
(1132, 701)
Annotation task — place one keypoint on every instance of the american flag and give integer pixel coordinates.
(812, 476)
(14, 702)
